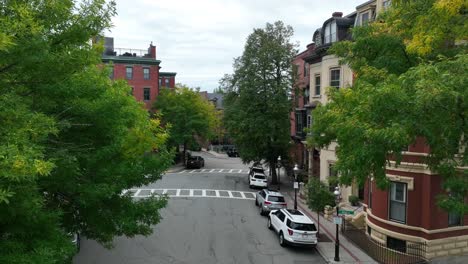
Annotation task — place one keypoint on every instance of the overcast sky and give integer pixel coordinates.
(198, 39)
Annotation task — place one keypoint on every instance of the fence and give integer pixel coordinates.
(409, 253)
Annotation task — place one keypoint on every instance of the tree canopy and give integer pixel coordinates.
(411, 67)
(70, 138)
(187, 115)
(257, 102)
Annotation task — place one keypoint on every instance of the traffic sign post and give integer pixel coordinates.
(337, 220)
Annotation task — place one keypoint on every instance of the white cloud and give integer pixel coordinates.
(199, 39)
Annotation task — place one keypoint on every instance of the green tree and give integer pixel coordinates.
(257, 103)
(187, 114)
(411, 69)
(318, 196)
(70, 139)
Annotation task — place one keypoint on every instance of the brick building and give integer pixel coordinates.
(141, 70)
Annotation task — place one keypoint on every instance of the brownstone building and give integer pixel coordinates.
(141, 70)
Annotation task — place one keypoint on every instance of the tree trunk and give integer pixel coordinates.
(274, 178)
(184, 158)
(318, 224)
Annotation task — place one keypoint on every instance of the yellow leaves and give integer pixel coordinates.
(452, 7)
(43, 167)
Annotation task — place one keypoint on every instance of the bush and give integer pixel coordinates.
(354, 200)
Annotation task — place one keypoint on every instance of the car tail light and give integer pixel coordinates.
(290, 232)
(267, 202)
(285, 204)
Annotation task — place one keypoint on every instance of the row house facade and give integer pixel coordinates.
(140, 69)
(406, 212)
(300, 116)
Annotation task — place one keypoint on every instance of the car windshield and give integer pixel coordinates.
(257, 170)
(302, 226)
(278, 199)
(259, 177)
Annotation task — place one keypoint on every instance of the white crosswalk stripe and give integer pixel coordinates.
(240, 171)
(229, 194)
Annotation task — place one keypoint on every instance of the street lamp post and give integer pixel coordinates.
(279, 178)
(337, 241)
(296, 185)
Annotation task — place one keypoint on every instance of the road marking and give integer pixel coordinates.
(135, 193)
(238, 171)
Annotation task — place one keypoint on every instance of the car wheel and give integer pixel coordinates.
(281, 239)
(269, 223)
(262, 212)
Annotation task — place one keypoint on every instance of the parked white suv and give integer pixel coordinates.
(258, 180)
(293, 227)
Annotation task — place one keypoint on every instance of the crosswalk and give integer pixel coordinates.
(239, 171)
(228, 194)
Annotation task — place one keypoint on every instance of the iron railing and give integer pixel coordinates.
(410, 253)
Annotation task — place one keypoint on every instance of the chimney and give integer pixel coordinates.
(152, 50)
(337, 14)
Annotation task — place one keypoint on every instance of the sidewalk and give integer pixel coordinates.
(349, 253)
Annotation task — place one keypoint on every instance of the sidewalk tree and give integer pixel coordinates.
(187, 114)
(70, 139)
(411, 68)
(318, 196)
(257, 102)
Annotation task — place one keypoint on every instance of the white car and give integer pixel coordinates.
(293, 227)
(258, 180)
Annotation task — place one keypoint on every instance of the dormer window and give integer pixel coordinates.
(318, 40)
(330, 32)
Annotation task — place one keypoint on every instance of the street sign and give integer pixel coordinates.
(345, 212)
(337, 220)
(296, 185)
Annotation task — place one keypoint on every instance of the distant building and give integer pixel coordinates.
(141, 70)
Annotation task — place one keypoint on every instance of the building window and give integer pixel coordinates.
(160, 82)
(335, 77)
(454, 219)
(309, 121)
(330, 32)
(305, 69)
(396, 244)
(317, 84)
(167, 82)
(146, 73)
(386, 4)
(398, 201)
(111, 73)
(146, 94)
(332, 177)
(364, 18)
(129, 73)
(318, 40)
(299, 124)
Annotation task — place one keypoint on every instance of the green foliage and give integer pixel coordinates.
(318, 195)
(411, 84)
(353, 199)
(187, 114)
(256, 102)
(70, 139)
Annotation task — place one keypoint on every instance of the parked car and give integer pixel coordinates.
(293, 227)
(256, 168)
(269, 200)
(258, 180)
(232, 153)
(195, 162)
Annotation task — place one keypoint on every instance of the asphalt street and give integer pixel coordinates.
(209, 226)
